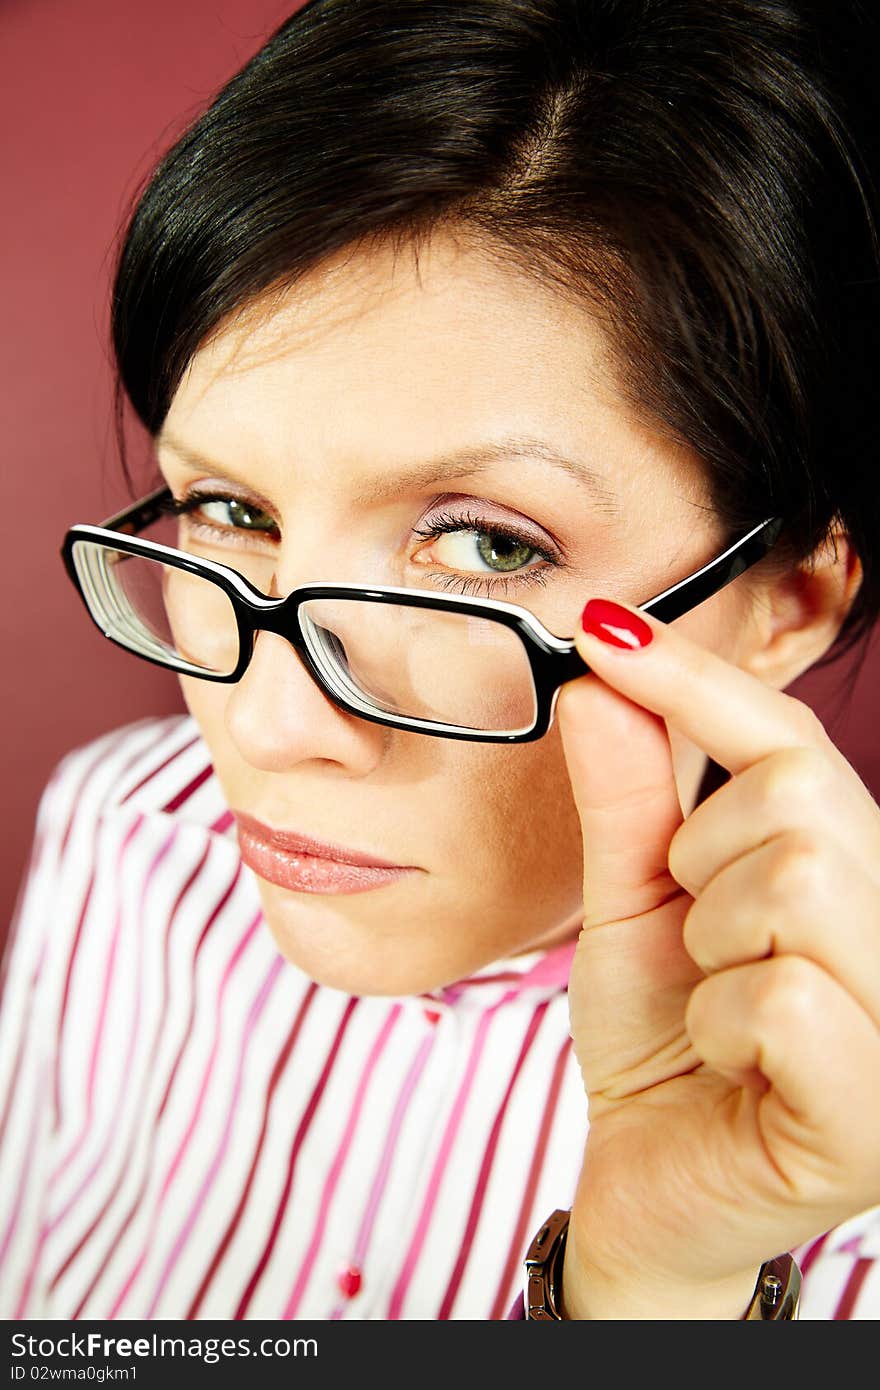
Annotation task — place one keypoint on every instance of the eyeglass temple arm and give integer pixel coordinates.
(688, 593)
(134, 518)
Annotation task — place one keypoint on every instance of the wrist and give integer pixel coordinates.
(591, 1292)
(564, 1284)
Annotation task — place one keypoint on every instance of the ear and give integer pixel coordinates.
(798, 613)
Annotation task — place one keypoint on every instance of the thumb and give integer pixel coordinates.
(620, 764)
(631, 975)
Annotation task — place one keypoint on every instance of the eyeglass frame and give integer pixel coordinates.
(552, 660)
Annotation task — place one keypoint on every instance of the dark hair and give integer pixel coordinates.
(699, 171)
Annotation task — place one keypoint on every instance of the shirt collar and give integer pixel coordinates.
(543, 973)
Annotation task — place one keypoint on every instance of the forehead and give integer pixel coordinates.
(406, 322)
(386, 356)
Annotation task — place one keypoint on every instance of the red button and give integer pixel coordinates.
(432, 1015)
(349, 1281)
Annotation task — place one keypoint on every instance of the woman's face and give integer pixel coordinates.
(329, 418)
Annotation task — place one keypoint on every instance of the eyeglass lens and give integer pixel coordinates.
(394, 659)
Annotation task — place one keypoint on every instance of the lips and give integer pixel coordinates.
(294, 843)
(303, 864)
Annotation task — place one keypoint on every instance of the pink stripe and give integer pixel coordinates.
(338, 1161)
(409, 1085)
(486, 1167)
(521, 1234)
(23, 1038)
(85, 905)
(553, 967)
(189, 790)
(116, 1238)
(254, 1013)
(222, 823)
(365, 1232)
(91, 767)
(203, 1089)
(100, 756)
(49, 1227)
(65, 999)
(812, 1252)
(132, 1041)
(35, 865)
(28, 1168)
(449, 992)
(102, 1014)
(123, 1167)
(440, 1162)
(268, 1094)
(304, 1125)
(850, 1296)
(154, 771)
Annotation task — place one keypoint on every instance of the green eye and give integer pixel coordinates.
(223, 516)
(484, 552)
(503, 553)
(232, 513)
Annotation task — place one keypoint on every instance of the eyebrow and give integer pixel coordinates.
(467, 462)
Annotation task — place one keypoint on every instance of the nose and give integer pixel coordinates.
(278, 717)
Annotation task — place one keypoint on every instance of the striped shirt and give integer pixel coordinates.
(191, 1128)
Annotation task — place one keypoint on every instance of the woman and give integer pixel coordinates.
(323, 999)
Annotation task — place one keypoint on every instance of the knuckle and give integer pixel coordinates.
(798, 868)
(793, 778)
(805, 721)
(786, 995)
(702, 940)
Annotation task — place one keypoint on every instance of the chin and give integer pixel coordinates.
(381, 971)
(343, 951)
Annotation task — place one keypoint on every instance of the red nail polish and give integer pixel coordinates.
(615, 625)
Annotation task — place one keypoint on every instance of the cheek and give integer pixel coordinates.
(206, 702)
(501, 821)
(530, 815)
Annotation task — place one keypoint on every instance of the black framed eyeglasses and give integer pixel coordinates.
(468, 668)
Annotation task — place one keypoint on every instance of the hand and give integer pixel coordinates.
(725, 990)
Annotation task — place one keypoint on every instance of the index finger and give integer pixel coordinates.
(726, 711)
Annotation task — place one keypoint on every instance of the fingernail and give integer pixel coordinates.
(615, 625)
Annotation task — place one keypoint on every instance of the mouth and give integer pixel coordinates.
(303, 864)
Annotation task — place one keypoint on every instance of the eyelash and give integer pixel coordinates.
(441, 524)
(445, 523)
(185, 506)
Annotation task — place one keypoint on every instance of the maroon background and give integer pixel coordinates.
(91, 94)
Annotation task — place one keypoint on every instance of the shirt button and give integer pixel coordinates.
(349, 1281)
